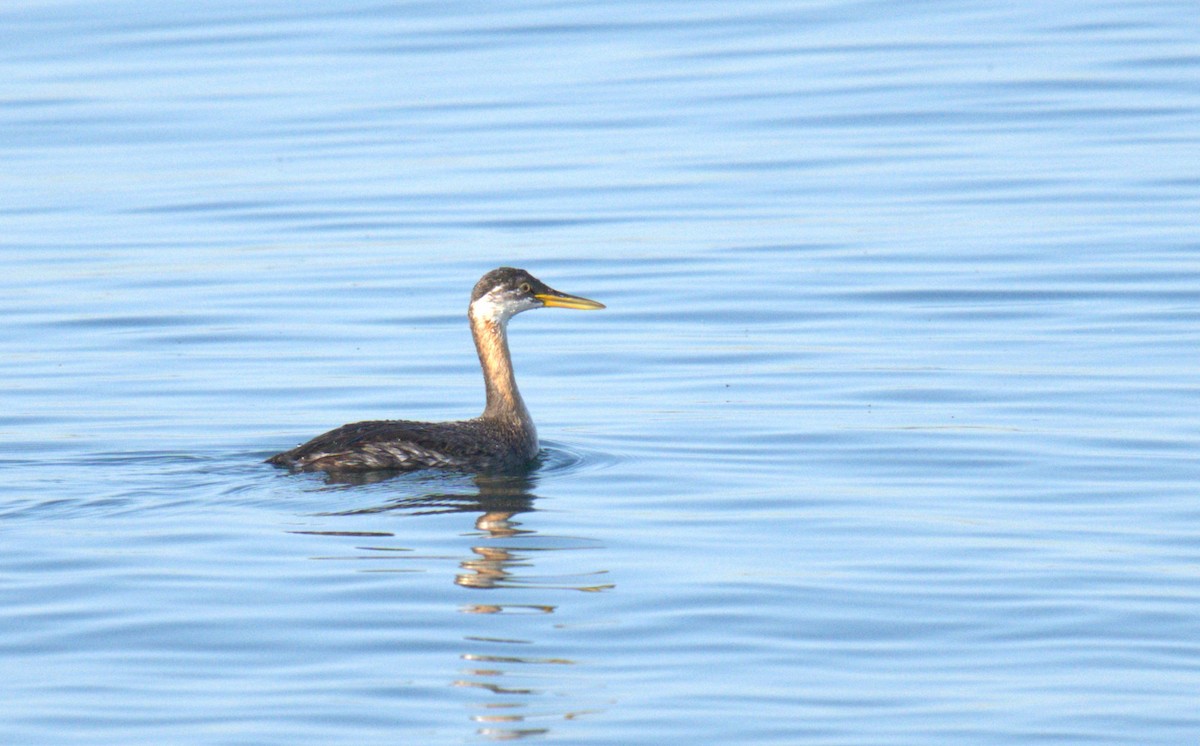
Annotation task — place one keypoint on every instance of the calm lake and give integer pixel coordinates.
(888, 435)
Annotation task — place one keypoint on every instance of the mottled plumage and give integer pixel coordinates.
(475, 445)
(503, 438)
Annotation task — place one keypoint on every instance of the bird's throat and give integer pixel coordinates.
(503, 398)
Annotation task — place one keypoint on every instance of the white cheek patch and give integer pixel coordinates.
(494, 309)
(487, 308)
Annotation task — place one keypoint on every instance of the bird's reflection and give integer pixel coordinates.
(503, 560)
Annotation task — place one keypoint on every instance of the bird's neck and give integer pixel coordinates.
(503, 399)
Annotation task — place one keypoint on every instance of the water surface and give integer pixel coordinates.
(888, 434)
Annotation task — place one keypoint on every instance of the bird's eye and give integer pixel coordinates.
(525, 287)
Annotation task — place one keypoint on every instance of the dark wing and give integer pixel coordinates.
(386, 444)
(406, 446)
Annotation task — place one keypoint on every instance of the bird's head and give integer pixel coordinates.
(503, 293)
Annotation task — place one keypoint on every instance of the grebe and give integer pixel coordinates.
(503, 438)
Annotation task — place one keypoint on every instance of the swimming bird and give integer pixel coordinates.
(502, 439)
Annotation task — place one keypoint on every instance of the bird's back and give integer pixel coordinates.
(480, 444)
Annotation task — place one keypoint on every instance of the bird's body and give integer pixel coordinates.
(503, 438)
(480, 444)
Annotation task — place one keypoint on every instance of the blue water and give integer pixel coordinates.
(888, 435)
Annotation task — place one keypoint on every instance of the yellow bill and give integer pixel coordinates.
(562, 300)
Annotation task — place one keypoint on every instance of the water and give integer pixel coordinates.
(888, 434)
